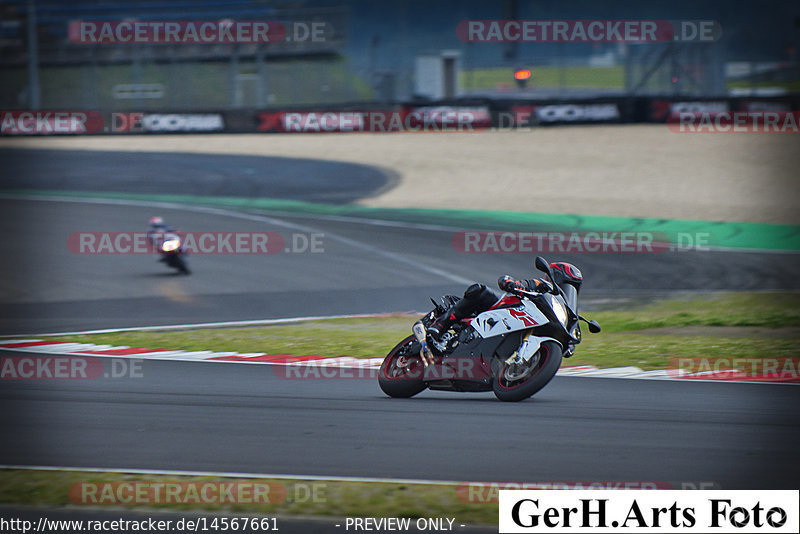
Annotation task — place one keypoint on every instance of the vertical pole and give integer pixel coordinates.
(628, 62)
(174, 81)
(136, 67)
(562, 70)
(86, 84)
(470, 67)
(93, 80)
(234, 78)
(373, 75)
(34, 95)
(261, 86)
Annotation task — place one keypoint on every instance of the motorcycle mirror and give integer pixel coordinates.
(594, 327)
(542, 264)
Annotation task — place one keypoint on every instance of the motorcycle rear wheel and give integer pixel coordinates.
(401, 372)
(513, 383)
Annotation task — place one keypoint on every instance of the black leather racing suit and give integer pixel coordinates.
(477, 298)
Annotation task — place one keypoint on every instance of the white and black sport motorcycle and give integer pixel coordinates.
(514, 348)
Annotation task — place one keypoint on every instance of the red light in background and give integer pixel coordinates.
(522, 74)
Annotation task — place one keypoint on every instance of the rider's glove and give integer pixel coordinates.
(542, 286)
(509, 285)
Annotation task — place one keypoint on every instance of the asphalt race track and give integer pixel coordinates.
(191, 174)
(363, 268)
(243, 418)
(250, 418)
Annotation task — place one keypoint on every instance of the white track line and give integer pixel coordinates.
(587, 371)
(623, 372)
(340, 218)
(260, 218)
(222, 474)
(222, 324)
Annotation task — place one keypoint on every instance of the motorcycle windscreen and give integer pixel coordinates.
(571, 295)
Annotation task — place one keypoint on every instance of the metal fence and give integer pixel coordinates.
(45, 65)
(361, 58)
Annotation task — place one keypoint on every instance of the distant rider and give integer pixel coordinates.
(479, 298)
(156, 232)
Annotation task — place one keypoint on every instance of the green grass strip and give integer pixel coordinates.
(724, 325)
(609, 77)
(283, 498)
(735, 235)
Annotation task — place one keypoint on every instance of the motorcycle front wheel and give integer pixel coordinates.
(516, 382)
(401, 372)
(179, 263)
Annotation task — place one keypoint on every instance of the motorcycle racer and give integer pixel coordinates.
(156, 232)
(479, 298)
(157, 225)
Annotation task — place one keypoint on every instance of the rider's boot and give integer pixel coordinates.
(477, 298)
(442, 324)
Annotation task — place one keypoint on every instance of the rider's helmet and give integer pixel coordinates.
(157, 222)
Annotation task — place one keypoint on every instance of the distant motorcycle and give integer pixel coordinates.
(513, 349)
(170, 247)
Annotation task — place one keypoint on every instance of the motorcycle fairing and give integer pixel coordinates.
(468, 367)
(502, 321)
(530, 346)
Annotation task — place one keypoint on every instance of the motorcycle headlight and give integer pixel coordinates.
(560, 310)
(170, 245)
